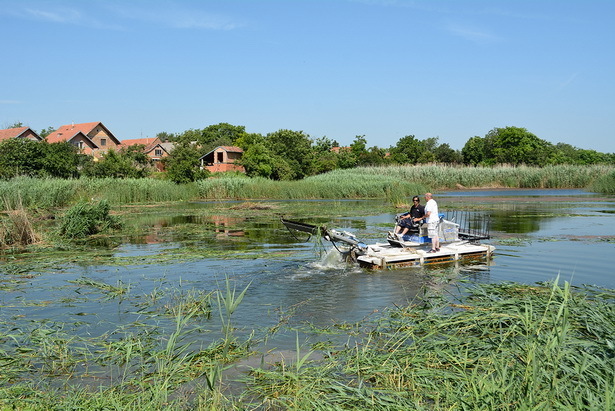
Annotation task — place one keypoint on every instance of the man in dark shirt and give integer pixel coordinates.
(409, 222)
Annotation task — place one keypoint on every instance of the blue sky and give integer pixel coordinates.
(336, 68)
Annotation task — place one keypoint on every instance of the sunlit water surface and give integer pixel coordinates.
(539, 234)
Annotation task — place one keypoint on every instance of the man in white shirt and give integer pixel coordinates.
(432, 218)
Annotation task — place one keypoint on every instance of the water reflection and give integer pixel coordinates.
(300, 282)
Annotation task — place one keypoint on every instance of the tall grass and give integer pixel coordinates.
(317, 187)
(504, 347)
(446, 177)
(395, 182)
(498, 346)
(604, 184)
(16, 226)
(389, 182)
(49, 193)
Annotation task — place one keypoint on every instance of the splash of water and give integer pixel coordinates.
(330, 260)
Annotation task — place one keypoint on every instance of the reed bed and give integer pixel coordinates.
(393, 182)
(496, 346)
(388, 182)
(49, 193)
(446, 176)
(504, 347)
(317, 187)
(604, 184)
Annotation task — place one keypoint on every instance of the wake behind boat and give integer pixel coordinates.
(456, 244)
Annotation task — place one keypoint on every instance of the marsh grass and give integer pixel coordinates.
(604, 184)
(503, 346)
(110, 291)
(16, 226)
(85, 219)
(494, 346)
(50, 193)
(393, 183)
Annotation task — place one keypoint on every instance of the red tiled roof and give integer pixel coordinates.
(12, 132)
(134, 141)
(232, 149)
(65, 133)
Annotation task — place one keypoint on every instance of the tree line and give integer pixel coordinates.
(286, 154)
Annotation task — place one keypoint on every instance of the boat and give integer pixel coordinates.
(456, 244)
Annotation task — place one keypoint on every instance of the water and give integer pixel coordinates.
(539, 234)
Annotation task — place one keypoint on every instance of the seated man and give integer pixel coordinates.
(409, 222)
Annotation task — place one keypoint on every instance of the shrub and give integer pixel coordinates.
(86, 219)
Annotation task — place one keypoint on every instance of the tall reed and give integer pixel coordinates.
(604, 184)
(49, 193)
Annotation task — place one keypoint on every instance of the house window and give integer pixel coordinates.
(158, 152)
(103, 141)
(80, 145)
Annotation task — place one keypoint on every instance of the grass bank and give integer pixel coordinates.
(497, 346)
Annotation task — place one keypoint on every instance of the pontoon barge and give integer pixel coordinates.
(455, 245)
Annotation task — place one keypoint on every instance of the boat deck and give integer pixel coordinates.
(385, 255)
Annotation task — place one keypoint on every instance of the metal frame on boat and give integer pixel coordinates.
(457, 243)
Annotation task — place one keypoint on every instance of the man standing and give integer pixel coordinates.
(432, 219)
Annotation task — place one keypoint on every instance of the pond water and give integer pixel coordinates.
(539, 235)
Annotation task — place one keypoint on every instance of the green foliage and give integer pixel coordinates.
(474, 151)
(210, 137)
(129, 162)
(48, 193)
(46, 131)
(24, 157)
(295, 148)
(62, 160)
(182, 165)
(325, 161)
(515, 145)
(21, 157)
(85, 219)
(444, 154)
(258, 161)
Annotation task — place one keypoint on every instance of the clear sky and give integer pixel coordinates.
(384, 69)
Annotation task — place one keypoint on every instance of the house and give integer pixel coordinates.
(19, 132)
(222, 158)
(337, 149)
(92, 138)
(154, 148)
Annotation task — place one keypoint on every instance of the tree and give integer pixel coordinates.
(258, 161)
(323, 144)
(445, 154)
(515, 145)
(140, 160)
(407, 150)
(325, 161)
(346, 158)
(21, 157)
(164, 136)
(373, 157)
(222, 134)
(115, 164)
(295, 149)
(182, 164)
(46, 131)
(16, 124)
(62, 160)
(473, 152)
